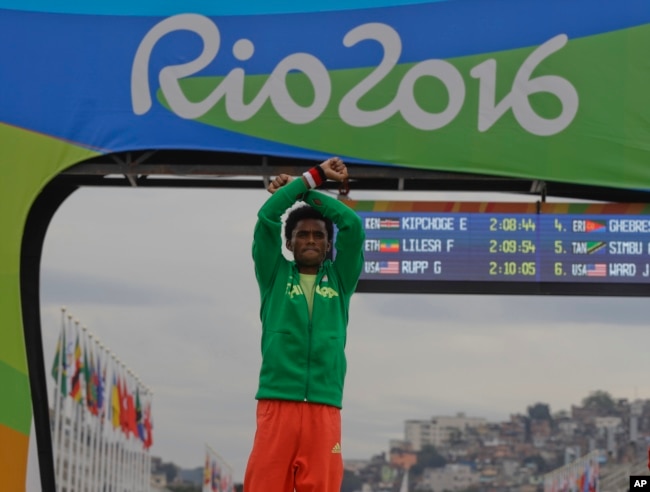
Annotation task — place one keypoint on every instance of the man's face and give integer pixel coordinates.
(309, 243)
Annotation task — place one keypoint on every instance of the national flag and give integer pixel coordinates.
(216, 476)
(101, 387)
(96, 408)
(75, 383)
(115, 402)
(389, 246)
(91, 388)
(597, 270)
(389, 267)
(594, 476)
(595, 226)
(131, 420)
(585, 481)
(148, 426)
(60, 360)
(596, 247)
(389, 223)
(207, 471)
(124, 407)
(138, 415)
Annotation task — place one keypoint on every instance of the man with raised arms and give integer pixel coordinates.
(304, 314)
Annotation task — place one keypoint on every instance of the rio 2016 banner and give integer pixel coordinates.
(549, 90)
(541, 89)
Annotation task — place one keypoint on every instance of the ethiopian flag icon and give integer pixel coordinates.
(389, 246)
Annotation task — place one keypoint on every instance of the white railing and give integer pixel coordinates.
(579, 475)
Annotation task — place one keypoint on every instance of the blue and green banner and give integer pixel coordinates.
(543, 89)
(548, 89)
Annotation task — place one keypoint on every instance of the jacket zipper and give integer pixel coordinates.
(310, 328)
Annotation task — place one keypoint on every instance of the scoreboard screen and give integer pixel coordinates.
(505, 248)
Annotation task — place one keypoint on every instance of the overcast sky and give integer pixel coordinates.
(164, 277)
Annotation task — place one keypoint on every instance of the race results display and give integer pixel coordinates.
(511, 248)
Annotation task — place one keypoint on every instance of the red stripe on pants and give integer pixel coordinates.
(297, 446)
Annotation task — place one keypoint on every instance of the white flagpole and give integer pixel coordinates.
(207, 471)
(126, 463)
(93, 419)
(114, 480)
(94, 475)
(131, 445)
(146, 459)
(137, 448)
(86, 440)
(141, 452)
(81, 435)
(58, 404)
(121, 438)
(68, 465)
(110, 376)
(115, 430)
(147, 437)
(101, 456)
(125, 437)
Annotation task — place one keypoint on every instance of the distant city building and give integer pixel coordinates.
(568, 427)
(438, 430)
(451, 477)
(400, 444)
(355, 466)
(607, 422)
(158, 479)
(402, 459)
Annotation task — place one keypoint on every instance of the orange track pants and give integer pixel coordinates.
(297, 446)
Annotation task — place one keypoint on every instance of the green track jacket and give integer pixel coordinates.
(303, 359)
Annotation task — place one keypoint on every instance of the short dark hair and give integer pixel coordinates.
(306, 212)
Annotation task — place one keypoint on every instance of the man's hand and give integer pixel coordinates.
(335, 169)
(279, 181)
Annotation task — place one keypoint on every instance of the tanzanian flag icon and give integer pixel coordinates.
(389, 246)
(596, 247)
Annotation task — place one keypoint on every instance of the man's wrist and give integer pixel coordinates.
(315, 177)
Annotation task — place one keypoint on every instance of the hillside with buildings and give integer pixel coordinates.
(468, 453)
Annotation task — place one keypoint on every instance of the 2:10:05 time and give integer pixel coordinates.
(512, 246)
(526, 268)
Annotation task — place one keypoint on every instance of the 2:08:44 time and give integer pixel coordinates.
(512, 224)
(526, 268)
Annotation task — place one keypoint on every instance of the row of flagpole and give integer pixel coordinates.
(217, 473)
(101, 419)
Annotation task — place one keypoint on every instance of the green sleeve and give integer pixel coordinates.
(349, 240)
(267, 237)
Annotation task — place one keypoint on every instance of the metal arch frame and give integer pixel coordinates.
(205, 169)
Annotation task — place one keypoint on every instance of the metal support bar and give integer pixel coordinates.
(265, 176)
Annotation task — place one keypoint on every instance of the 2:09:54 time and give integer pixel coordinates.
(526, 268)
(512, 246)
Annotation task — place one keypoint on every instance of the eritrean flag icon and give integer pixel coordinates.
(389, 246)
(595, 226)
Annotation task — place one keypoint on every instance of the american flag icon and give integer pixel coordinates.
(597, 270)
(389, 267)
